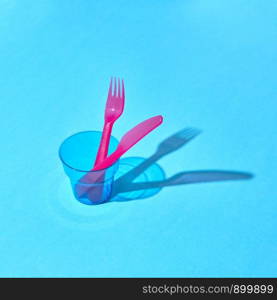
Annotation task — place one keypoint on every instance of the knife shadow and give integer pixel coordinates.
(125, 186)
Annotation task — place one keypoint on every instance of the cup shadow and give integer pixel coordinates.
(145, 178)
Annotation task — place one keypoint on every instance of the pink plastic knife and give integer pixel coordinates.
(129, 140)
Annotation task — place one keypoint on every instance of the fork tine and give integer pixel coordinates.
(123, 90)
(118, 93)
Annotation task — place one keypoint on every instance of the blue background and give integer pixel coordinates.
(208, 64)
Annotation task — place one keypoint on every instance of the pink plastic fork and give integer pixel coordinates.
(114, 109)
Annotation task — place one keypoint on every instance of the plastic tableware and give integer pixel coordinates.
(77, 154)
(114, 109)
(130, 139)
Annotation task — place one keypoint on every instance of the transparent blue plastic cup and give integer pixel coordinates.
(78, 153)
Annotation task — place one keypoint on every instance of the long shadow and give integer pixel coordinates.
(186, 178)
(174, 142)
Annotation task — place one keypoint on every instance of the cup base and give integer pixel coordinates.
(153, 173)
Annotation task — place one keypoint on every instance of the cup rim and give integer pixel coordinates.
(79, 170)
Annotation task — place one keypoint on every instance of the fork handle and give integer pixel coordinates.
(104, 143)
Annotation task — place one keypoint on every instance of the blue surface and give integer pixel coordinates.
(208, 64)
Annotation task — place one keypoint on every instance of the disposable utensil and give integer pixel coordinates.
(114, 109)
(129, 140)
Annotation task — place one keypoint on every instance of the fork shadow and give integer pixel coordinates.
(130, 187)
